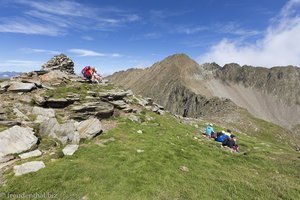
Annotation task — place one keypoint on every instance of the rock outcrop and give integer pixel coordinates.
(98, 109)
(61, 108)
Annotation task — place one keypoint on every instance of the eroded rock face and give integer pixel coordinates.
(60, 62)
(16, 140)
(28, 167)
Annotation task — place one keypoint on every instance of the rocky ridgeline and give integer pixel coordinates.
(59, 105)
(60, 62)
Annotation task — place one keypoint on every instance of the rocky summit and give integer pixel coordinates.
(43, 111)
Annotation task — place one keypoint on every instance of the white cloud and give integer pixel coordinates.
(58, 7)
(45, 51)
(90, 53)
(28, 27)
(278, 46)
(58, 17)
(114, 55)
(84, 53)
(234, 28)
(20, 65)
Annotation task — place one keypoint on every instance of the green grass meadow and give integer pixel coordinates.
(262, 170)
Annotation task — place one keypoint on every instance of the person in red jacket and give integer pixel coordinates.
(87, 72)
(91, 74)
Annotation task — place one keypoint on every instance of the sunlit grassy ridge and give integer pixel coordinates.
(117, 171)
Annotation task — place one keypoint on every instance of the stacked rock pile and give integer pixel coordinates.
(60, 62)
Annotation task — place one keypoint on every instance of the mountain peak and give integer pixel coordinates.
(178, 58)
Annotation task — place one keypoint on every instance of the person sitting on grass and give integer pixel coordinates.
(230, 142)
(221, 136)
(209, 130)
(228, 132)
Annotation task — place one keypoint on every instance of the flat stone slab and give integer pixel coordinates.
(28, 167)
(70, 149)
(120, 104)
(21, 87)
(16, 140)
(30, 154)
(99, 109)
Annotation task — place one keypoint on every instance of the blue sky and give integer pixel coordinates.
(116, 35)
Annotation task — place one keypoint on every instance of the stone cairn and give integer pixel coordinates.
(60, 62)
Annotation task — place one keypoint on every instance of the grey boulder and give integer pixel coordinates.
(70, 149)
(89, 128)
(16, 140)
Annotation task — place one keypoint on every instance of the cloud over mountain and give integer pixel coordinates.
(278, 46)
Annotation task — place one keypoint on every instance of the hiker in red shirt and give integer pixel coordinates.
(87, 72)
(90, 73)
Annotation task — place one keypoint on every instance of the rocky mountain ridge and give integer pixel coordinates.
(189, 89)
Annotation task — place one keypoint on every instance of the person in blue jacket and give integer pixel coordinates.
(221, 136)
(209, 129)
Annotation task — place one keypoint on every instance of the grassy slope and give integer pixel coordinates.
(117, 171)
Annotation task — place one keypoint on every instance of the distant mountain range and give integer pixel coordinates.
(8, 74)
